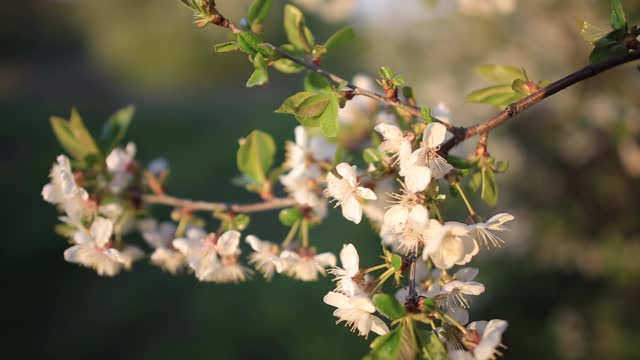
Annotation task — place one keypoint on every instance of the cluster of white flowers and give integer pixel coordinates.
(96, 225)
(302, 159)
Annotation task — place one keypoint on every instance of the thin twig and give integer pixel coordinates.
(410, 109)
(276, 203)
(462, 134)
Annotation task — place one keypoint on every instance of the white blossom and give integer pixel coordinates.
(63, 191)
(93, 248)
(461, 286)
(350, 269)
(433, 136)
(489, 337)
(485, 232)
(201, 252)
(357, 312)
(347, 193)
(408, 225)
(417, 176)
(304, 265)
(315, 148)
(160, 236)
(394, 139)
(449, 244)
(265, 255)
(119, 163)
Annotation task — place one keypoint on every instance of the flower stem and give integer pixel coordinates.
(291, 234)
(305, 233)
(464, 198)
(374, 268)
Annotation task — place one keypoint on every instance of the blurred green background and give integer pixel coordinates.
(567, 282)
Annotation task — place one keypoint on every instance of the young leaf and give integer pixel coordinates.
(298, 34)
(431, 348)
(64, 134)
(341, 36)
(329, 118)
(260, 75)
(489, 191)
(315, 82)
(305, 104)
(425, 112)
(255, 155)
(618, 18)
(387, 347)
(500, 74)
(81, 134)
(396, 262)
(460, 163)
(498, 95)
(116, 127)
(226, 47)
(287, 66)
(258, 12)
(248, 42)
(389, 306)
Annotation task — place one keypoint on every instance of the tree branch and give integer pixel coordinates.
(462, 134)
(276, 203)
(410, 109)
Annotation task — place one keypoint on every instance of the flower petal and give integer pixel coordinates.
(351, 209)
(350, 260)
(434, 135)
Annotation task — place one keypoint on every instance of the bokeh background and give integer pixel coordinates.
(568, 281)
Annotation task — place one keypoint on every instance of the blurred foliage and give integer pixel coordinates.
(567, 281)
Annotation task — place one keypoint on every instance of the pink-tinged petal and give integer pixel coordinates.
(72, 254)
(434, 134)
(366, 193)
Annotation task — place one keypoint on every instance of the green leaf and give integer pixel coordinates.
(341, 36)
(389, 306)
(476, 181)
(289, 216)
(618, 18)
(489, 191)
(601, 53)
(255, 155)
(385, 72)
(387, 347)
(260, 75)
(372, 156)
(329, 118)
(396, 262)
(461, 163)
(226, 47)
(498, 95)
(258, 12)
(425, 112)
(248, 42)
(241, 221)
(116, 127)
(268, 52)
(287, 66)
(81, 133)
(431, 348)
(314, 82)
(305, 104)
(297, 33)
(500, 74)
